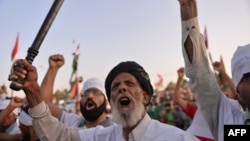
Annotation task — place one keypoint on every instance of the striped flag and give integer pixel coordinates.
(15, 49)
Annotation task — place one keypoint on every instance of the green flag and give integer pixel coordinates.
(75, 61)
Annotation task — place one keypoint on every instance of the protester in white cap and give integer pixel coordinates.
(9, 125)
(93, 100)
(217, 109)
(25, 126)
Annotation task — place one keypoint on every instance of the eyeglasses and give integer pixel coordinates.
(88, 91)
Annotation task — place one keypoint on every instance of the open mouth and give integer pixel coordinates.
(90, 105)
(124, 101)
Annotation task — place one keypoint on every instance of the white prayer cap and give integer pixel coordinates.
(94, 83)
(25, 119)
(240, 63)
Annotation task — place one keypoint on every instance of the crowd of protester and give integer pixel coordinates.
(163, 106)
(164, 109)
(126, 107)
(174, 105)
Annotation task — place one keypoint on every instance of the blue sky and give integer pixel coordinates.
(111, 31)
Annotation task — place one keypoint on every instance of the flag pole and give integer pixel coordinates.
(77, 97)
(14, 56)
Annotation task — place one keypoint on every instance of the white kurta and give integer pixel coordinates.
(217, 109)
(49, 128)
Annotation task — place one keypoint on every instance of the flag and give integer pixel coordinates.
(159, 83)
(74, 90)
(75, 61)
(15, 49)
(77, 52)
(205, 37)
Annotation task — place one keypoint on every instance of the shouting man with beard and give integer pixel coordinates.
(128, 89)
(93, 100)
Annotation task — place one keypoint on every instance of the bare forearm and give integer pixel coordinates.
(48, 84)
(188, 10)
(177, 94)
(33, 95)
(47, 91)
(5, 113)
(177, 89)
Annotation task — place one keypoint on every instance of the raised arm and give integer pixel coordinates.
(15, 102)
(45, 125)
(202, 80)
(55, 63)
(219, 66)
(186, 105)
(178, 90)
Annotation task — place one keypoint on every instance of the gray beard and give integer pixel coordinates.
(129, 119)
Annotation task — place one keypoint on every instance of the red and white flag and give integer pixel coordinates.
(74, 90)
(159, 83)
(15, 49)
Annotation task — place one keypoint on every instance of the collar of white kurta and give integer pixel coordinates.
(141, 128)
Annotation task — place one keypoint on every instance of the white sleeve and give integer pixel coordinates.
(71, 120)
(202, 80)
(49, 128)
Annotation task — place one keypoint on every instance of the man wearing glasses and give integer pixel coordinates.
(93, 100)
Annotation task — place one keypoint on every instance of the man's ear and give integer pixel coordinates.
(146, 98)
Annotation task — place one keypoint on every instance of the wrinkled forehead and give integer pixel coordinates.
(122, 77)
